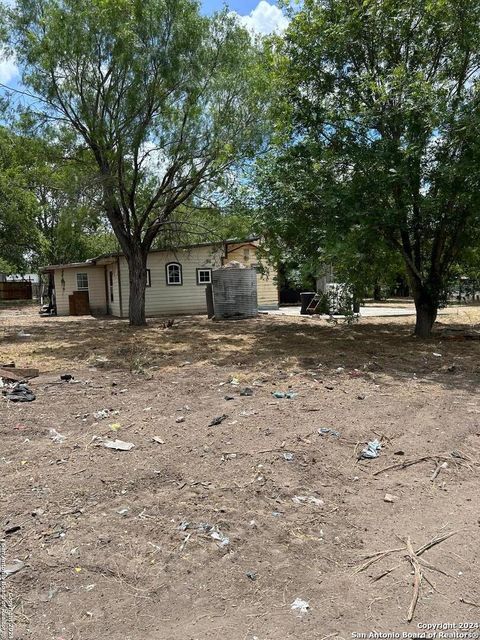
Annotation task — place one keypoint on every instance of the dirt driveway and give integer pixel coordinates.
(214, 532)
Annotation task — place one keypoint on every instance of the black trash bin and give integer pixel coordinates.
(305, 298)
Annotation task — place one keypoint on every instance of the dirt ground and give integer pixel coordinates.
(213, 532)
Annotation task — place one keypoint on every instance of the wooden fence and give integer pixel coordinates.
(16, 290)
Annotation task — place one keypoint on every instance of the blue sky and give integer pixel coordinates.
(243, 7)
(259, 16)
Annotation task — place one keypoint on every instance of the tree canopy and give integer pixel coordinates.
(165, 100)
(379, 109)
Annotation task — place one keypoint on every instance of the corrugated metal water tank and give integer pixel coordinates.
(235, 293)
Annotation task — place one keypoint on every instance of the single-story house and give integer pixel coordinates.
(176, 280)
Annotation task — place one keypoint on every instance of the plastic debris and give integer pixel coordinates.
(158, 440)
(218, 420)
(180, 419)
(118, 445)
(284, 394)
(66, 377)
(308, 500)
(246, 392)
(325, 431)
(104, 413)
(218, 536)
(252, 575)
(389, 497)
(20, 393)
(288, 456)
(372, 450)
(10, 569)
(55, 436)
(437, 355)
(229, 398)
(300, 605)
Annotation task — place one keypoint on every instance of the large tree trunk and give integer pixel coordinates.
(137, 272)
(377, 292)
(426, 304)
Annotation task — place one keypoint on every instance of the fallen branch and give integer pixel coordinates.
(418, 564)
(417, 581)
(472, 604)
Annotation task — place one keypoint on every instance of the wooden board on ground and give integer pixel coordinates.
(18, 374)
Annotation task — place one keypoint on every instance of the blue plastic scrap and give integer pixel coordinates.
(324, 431)
(372, 450)
(284, 394)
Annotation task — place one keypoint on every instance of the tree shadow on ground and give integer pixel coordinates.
(377, 347)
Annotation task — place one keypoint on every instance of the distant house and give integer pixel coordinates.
(176, 280)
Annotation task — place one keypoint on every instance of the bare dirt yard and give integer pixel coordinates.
(216, 532)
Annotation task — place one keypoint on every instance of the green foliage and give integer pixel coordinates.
(379, 107)
(166, 101)
(18, 207)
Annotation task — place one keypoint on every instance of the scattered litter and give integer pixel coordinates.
(14, 529)
(247, 414)
(55, 436)
(186, 363)
(300, 605)
(277, 514)
(325, 431)
(10, 569)
(158, 440)
(399, 453)
(20, 393)
(66, 377)
(229, 456)
(252, 575)
(118, 445)
(234, 381)
(180, 419)
(218, 420)
(308, 500)
(246, 392)
(229, 398)
(104, 413)
(284, 394)
(217, 535)
(361, 396)
(340, 369)
(372, 450)
(288, 456)
(22, 334)
(115, 426)
(329, 387)
(123, 511)
(389, 497)
(437, 355)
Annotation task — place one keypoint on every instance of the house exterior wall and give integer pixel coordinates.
(96, 288)
(267, 288)
(164, 299)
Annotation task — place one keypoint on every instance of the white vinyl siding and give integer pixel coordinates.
(66, 282)
(163, 299)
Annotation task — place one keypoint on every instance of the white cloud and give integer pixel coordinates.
(8, 68)
(264, 19)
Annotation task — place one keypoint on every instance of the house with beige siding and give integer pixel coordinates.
(176, 280)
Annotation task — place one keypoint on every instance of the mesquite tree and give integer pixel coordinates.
(383, 97)
(165, 100)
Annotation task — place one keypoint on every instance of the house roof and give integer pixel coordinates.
(105, 258)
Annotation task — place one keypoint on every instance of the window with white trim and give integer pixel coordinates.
(204, 276)
(82, 281)
(174, 273)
